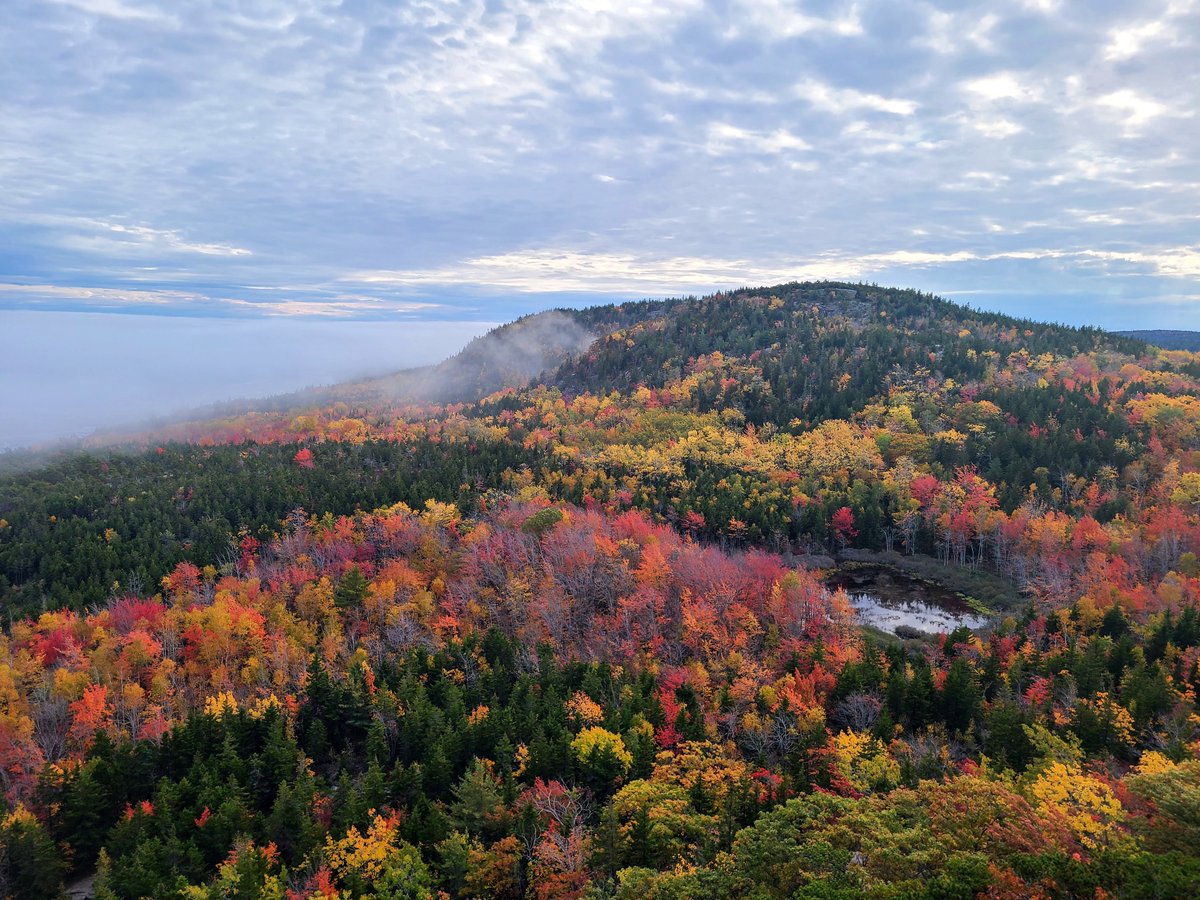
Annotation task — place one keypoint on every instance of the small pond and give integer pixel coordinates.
(888, 599)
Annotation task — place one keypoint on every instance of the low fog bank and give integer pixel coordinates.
(510, 356)
(64, 375)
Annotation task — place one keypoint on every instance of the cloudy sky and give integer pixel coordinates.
(466, 162)
(443, 160)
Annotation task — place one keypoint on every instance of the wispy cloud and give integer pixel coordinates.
(568, 270)
(1133, 108)
(781, 19)
(1130, 39)
(17, 295)
(845, 100)
(97, 296)
(118, 9)
(119, 237)
(725, 139)
(346, 308)
(564, 270)
(1003, 86)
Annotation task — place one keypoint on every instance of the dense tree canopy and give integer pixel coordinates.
(555, 640)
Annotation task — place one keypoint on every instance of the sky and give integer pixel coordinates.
(464, 163)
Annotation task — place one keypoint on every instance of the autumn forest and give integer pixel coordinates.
(564, 624)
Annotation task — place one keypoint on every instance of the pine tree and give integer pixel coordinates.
(960, 696)
(351, 590)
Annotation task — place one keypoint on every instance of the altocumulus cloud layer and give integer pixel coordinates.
(467, 161)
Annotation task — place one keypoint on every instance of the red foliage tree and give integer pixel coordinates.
(843, 526)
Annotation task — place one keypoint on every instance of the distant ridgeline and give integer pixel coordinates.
(1168, 339)
(528, 623)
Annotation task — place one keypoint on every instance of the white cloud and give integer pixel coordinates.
(1128, 39)
(117, 9)
(1136, 109)
(340, 309)
(1003, 86)
(122, 242)
(781, 19)
(169, 239)
(520, 54)
(950, 33)
(109, 237)
(871, 141)
(548, 270)
(725, 139)
(1181, 262)
(981, 34)
(569, 270)
(100, 295)
(135, 299)
(714, 94)
(840, 100)
(917, 258)
(1085, 161)
(997, 128)
(1173, 261)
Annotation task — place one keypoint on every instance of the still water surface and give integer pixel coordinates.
(887, 599)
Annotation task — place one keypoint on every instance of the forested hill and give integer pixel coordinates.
(882, 332)
(805, 337)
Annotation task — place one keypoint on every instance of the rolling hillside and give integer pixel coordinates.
(542, 621)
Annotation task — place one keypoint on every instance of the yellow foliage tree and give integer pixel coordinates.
(1089, 805)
